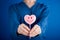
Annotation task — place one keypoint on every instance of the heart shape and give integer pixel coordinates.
(30, 19)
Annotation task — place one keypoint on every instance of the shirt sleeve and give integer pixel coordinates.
(14, 23)
(43, 21)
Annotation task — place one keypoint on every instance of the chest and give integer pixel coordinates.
(23, 10)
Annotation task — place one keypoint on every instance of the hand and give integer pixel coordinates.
(35, 31)
(23, 29)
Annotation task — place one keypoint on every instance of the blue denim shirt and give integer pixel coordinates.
(16, 17)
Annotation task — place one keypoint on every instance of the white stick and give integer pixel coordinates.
(30, 29)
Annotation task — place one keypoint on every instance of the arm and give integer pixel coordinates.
(18, 31)
(43, 20)
(13, 23)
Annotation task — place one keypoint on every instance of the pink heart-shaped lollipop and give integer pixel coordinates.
(30, 19)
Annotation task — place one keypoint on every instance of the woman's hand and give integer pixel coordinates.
(23, 29)
(35, 31)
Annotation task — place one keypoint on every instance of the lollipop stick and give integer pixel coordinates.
(30, 26)
(30, 29)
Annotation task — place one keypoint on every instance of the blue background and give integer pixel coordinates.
(53, 29)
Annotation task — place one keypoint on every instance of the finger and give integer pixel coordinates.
(33, 29)
(37, 31)
(22, 27)
(24, 33)
(34, 33)
(26, 27)
(24, 30)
